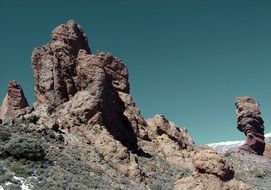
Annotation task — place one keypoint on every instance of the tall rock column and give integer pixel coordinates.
(250, 122)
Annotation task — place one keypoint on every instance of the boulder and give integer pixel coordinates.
(210, 162)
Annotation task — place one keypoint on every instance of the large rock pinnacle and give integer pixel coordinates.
(54, 65)
(14, 101)
(83, 88)
(250, 122)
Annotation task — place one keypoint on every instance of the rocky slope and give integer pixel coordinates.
(85, 131)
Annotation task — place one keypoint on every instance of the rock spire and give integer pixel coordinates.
(250, 122)
(13, 101)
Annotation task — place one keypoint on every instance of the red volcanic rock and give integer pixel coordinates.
(85, 88)
(91, 93)
(14, 101)
(116, 71)
(54, 66)
(250, 122)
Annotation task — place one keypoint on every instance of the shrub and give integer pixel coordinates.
(19, 170)
(27, 148)
(5, 134)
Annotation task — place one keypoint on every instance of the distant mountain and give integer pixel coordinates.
(223, 147)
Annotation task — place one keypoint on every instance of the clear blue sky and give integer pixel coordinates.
(188, 59)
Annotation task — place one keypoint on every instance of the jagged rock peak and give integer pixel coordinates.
(250, 122)
(71, 34)
(55, 65)
(84, 88)
(14, 100)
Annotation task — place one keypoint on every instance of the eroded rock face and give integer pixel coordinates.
(54, 66)
(250, 122)
(159, 125)
(82, 88)
(169, 142)
(14, 101)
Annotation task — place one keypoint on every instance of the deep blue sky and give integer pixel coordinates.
(188, 59)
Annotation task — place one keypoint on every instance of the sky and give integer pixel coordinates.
(187, 59)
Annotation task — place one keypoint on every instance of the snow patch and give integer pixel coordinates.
(25, 185)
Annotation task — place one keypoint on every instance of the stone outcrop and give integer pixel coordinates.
(211, 172)
(210, 162)
(159, 125)
(82, 88)
(54, 66)
(14, 101)
(250, 122)
(79, 89)
(169, 142)
(208, 182)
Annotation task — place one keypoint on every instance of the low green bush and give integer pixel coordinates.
(19, 170)
(27, 148)
(5, 134)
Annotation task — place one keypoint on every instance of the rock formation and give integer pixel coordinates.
(171, 142)
(212, 172)
(14, 101)
(83, 87)
(250, 122)
(92, 92)
(85, 99)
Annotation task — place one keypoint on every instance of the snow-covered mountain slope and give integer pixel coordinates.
(223, 147)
